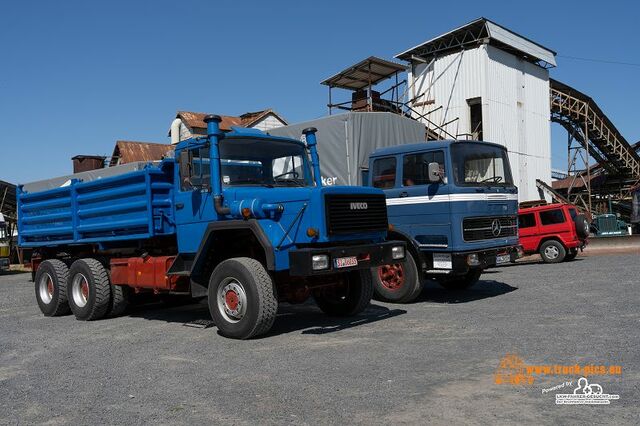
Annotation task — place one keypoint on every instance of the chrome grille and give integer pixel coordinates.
(486, 228)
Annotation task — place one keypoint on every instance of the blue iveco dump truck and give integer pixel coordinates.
(453, 202)
(241, 218)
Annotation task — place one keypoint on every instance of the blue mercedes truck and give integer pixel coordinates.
(241, 218)
(454, 203)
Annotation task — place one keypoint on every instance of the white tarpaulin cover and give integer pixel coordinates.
(346, 140)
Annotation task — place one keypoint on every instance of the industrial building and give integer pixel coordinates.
(482, 81)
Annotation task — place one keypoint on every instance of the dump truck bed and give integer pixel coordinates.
(128, 202)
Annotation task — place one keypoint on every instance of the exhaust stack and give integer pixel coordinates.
(214, 136)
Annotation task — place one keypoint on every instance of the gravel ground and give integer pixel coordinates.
(432, 361)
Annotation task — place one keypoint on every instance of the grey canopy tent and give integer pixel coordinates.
(346, 140)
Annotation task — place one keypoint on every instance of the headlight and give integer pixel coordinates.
(473, 260)
(319, 262)
(397, 252)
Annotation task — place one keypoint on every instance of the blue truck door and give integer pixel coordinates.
(418, 207)
(194, 195)
(193, 203)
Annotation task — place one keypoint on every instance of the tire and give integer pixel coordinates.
(51, 287)
(398, 283)
(347, 300)
(120, 296)
(461, 283)
(242, 298)
(89, 289)
(552, 251)
(582, 226)
(571, 254)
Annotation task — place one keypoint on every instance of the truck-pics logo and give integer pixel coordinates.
(584, 394)
(358, 206)
(512, 370)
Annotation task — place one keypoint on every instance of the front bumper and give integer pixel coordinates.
(485, 259)
(368, 256)
(4, 264)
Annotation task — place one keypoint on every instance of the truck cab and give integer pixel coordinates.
(241, 218)
(454, 203)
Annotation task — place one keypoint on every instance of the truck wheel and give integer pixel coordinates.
(571, 254)
(461, 282)
(51, 287)
(119, 300)
(397, 283)
(552, 251)
(348, 299)
(89, 289)
(242, 298)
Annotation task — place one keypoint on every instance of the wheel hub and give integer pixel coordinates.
(392, 276)
(552, 252)
(232, 300)
(46, 288)
(80, 290)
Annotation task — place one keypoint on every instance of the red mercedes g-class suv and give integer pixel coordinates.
(556, 231)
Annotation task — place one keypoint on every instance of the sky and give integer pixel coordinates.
(76, 76)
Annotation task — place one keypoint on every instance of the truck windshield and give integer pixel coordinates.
(479, 164)
(264, 162)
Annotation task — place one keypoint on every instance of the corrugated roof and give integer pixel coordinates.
(476, 32)
(195, 120)
(576, 182)
(368, 71)
(131, 151)
(251, 118)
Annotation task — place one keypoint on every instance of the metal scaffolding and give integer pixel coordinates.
(591, 135)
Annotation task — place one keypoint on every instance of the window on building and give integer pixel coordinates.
(526, 220)
(551, 217)
(475, 118)
(384, 173)
(415, 167)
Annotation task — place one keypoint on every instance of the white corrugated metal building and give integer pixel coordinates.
(483, 81)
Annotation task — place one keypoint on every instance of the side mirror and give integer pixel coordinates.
(433, 171)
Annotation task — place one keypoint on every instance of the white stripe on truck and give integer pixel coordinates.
(450, 197)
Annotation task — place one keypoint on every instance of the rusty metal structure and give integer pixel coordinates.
(130, 152)
(8, 209)
(362, 77)
(83, 163)
(591, 134)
